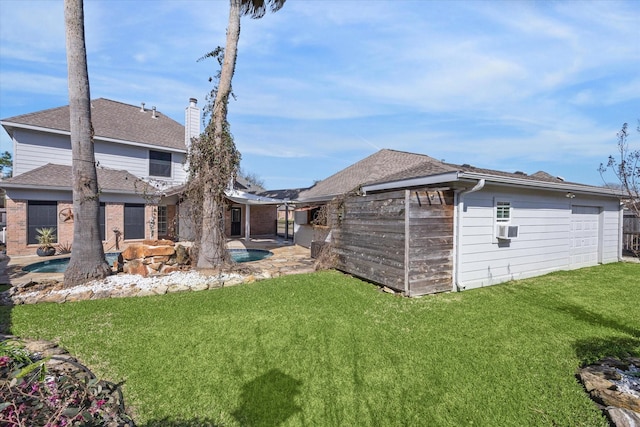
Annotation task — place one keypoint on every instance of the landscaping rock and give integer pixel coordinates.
(616, 398)
(178, 287)
(623, 417)
(158, 242)
(182, 255)
(150, 251)
(79, 296)
(610, 383)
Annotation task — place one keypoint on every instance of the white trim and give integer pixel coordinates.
(96, 138)
(413, 182)
(460, 176)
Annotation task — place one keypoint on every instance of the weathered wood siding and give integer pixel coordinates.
(430, 242)
(410, 250)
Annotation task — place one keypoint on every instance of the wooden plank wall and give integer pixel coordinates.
(368, 239)
(430, 266)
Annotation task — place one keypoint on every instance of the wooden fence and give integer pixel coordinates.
(631, 234)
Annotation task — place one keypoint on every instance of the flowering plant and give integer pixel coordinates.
(30, 395)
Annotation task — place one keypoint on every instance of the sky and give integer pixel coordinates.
(506, 85)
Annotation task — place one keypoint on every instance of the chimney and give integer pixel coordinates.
(142, 107)
(191, 122)
(153, 112)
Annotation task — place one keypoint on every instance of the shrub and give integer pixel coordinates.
(31, 395)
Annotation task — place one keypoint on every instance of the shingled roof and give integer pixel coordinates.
(111, 120)
(376, 167)
(389, 166)
(59, 177)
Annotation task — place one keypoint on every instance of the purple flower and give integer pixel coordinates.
(4, 361)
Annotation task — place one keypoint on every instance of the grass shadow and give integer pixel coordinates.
(268, 400)
(584, 315)
(593, 349)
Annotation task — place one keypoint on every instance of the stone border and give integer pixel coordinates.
(622, 409)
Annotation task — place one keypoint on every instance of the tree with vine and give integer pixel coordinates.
(214, 159)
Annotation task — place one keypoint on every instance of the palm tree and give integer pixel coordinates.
(87, 255)
(212, 251)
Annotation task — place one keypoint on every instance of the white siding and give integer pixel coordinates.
(35, 149)
(544, 241)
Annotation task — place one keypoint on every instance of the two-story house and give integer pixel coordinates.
(140, 155)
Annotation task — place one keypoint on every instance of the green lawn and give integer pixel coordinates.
(326, 349)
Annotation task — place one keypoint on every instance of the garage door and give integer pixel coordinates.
(584, 236)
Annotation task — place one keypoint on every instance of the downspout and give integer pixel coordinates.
(620, 230)
(457, 230)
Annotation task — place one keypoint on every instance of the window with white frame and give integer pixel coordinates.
(503, 212)
(162, 220)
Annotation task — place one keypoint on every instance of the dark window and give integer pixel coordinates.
(101, 220)
(133, 221)
(159, 163)
(40, 215)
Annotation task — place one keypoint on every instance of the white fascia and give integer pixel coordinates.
(413, 182)
(97, 138)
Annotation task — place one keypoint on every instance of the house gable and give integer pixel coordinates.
(111, 120)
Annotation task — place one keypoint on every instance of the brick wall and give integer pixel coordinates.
(114, 217)
(17, 228)
(65, 228)
(263, 220)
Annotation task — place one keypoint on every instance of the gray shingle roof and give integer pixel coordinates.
(60, 177)
(114, 120)
(371, 169)
(390, 165)
(289, 193)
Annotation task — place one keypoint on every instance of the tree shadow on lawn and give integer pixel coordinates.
(268, 400)
(596, 319)
(592, 349)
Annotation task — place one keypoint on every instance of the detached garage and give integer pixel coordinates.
(419, 225)
(470, 228)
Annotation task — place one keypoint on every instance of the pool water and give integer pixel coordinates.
(248, 255)
(59, 265)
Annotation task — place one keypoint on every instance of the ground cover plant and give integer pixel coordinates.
(327, 349)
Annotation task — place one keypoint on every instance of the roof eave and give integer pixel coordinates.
(460, 176)
(61, 188)
(557, 186)
(7, 124)
(413, 182)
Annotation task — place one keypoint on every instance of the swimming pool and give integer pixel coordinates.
(248, 255)
(59, 265)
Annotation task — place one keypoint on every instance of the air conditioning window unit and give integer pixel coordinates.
(507, 232)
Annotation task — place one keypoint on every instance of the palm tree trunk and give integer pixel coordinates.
(212, 251)
(87, 255)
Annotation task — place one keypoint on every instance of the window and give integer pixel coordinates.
(162, 220)
(133, 221)
(101, 221)
(40, 215)
(503, 212)
(159, 163)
